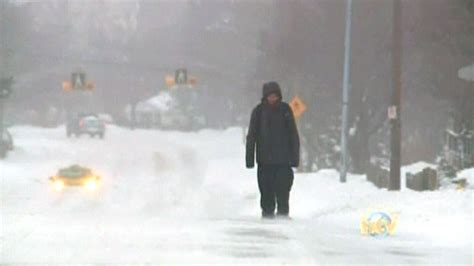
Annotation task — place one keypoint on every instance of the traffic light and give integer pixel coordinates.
(78, 82)
(169, 80)
(192, 80)
(90, 85)
(67, 86)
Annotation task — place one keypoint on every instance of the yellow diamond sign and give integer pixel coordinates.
(298, 106)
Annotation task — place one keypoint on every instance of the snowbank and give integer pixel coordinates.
(468, 174)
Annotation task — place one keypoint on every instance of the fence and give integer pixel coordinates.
(459, 149)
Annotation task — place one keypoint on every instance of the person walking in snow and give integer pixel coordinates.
(273, 136)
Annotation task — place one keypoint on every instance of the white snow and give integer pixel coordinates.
(161, 102)
(468, 174)
(172, 197)
(417, 167)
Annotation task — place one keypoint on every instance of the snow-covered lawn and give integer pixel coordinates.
(172, 197)
(468, 174)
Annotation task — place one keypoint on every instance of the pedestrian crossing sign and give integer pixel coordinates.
(181, 76)
(78, 80)
(297, 106)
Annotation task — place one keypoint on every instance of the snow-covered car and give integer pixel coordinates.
(7, 140)
(75, 175)
(90, 124)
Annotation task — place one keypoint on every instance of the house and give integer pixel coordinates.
(166, 110)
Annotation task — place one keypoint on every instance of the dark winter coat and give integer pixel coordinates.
(272, 133)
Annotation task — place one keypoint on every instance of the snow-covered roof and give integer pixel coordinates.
(158, 103)
(417, 167)
(467, 73)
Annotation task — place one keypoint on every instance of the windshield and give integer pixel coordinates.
(91, 121)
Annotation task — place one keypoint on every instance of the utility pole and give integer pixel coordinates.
(345, 93)
(3, 69)
(394, 110)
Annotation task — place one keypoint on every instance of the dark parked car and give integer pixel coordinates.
(89, 124)
(6, 143)
(7, 140)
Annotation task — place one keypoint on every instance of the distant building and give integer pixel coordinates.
(149, 112)
(165, 111)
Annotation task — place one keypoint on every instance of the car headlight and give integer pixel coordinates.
(91, 184)
(58, 185)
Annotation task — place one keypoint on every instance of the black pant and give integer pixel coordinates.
(275, 182)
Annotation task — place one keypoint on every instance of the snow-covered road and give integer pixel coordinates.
(170, 197)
